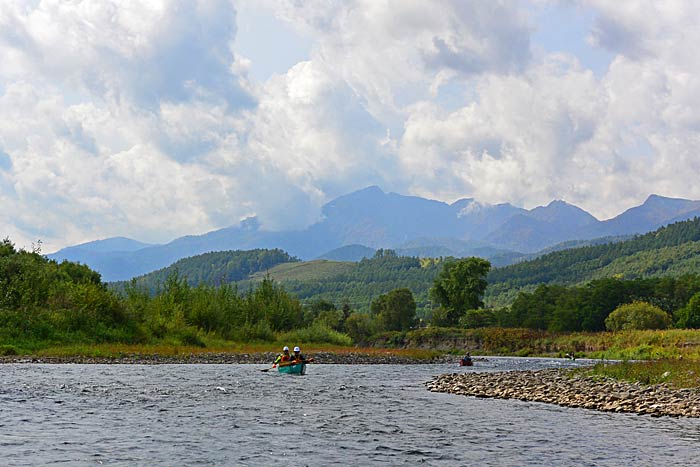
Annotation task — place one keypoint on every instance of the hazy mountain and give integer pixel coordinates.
(656, 212)
(373, 219)
(108, 245)
(475, 220)
(349, 253)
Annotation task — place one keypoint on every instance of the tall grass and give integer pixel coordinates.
(674, 373)
(316, 333)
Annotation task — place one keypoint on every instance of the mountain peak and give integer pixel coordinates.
(654, 199)
(563, 212)
(371, 190)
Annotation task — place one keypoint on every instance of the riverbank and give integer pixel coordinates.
(570, 389)
(184, 357)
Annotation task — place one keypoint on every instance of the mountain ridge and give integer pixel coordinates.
(374, 219)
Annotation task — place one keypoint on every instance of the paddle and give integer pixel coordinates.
(265, 370)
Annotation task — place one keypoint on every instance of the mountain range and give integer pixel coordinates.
(354, 225)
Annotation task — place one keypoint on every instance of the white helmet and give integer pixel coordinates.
(285, 348)
(297, 349)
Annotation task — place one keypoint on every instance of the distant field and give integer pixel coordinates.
(302, 271)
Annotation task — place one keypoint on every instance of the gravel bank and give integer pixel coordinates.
(203, 358)
(559, 387)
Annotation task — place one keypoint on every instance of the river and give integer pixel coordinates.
(236, 415)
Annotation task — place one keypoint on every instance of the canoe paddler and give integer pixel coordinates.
(283, 357)
(299, 358)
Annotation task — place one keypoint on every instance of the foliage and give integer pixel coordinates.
(316, 333)
(673, 250)
(214, 268)
(478, 318)
(43, 302)
(357, 284)
(395, 311)
(689, 316)
(460, 286)
(359, 327)
(637, 315)
(584, 308)
(675, 373)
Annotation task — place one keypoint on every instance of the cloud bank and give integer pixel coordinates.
(142, 119)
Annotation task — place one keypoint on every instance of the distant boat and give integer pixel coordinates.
(464, 361)
(293, 369)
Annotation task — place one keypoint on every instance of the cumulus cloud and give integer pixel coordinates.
(141, 119)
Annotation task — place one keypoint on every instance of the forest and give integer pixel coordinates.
(648, 281)
(43, 303)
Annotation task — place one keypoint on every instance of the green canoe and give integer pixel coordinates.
(295, 369)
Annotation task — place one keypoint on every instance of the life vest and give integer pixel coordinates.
(283, 358)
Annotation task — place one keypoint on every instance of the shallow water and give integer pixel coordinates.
(190, 415)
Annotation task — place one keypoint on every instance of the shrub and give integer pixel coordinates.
(478, 319)
(260, 331)
(689, 315)
(7, 350)
(359, 327)
(316, 333)
(637, 315)
(191, 336)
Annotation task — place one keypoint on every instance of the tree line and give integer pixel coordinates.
(670, 249)
(43, 302)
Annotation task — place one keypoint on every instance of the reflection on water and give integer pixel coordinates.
(166, 415)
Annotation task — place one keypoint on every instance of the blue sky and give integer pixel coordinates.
(153, 120)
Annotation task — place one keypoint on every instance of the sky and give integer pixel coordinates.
(157, 119)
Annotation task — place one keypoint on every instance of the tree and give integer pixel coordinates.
(460, 286)
(478, 319)
(359, 327)
(396, 310)
(689, 315)
(637, 315)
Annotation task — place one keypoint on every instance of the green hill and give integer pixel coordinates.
(671, 250)
(302, 271)
(355, 284)
(215, 268)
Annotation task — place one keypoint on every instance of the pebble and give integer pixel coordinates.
(225, 357)
(560, 387)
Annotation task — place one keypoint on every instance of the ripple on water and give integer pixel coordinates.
(336, 415)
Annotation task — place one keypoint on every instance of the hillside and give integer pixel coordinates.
(371, 219)
(304, 271)
(216, 268)
(671, 250)
(355, 284)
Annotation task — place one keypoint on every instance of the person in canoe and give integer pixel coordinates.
(299, 358)
(466, 360)
(283, 357)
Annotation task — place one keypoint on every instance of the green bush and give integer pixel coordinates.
(259, 331)
(637, 315)
(6, 350)
(317, 333)
(478, 319)
(359, 327)
(689, 315)
(191, 336)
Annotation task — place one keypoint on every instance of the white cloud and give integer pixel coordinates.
(142, 119)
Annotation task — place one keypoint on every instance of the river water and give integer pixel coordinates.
(235, 415)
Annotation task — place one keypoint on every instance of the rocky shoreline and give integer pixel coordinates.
(227, 358)
(560, 387)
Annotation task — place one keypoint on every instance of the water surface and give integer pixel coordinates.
(192, 415)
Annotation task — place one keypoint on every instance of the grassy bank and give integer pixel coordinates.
(676, 374)
(624, 345)
(170, 350)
